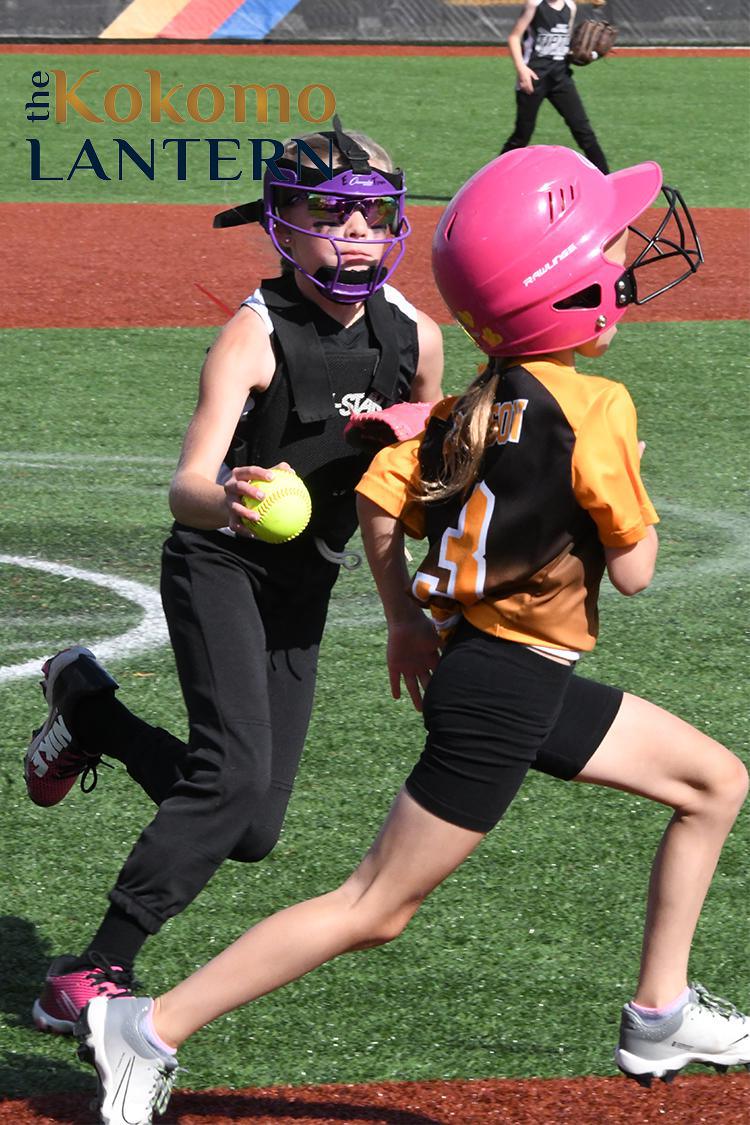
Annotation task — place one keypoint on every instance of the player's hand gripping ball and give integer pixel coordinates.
(284, 510)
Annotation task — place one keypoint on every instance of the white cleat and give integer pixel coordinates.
(135, 1079)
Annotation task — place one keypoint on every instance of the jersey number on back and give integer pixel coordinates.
(462, 553)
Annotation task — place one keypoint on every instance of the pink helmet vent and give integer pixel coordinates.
(559, 199)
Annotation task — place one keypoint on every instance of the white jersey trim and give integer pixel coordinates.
(396, 297)
(570, 655)
(258, 305)
(393, 296)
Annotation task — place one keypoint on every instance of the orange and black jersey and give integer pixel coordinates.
(522, 556)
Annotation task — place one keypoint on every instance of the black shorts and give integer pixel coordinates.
(493, 710)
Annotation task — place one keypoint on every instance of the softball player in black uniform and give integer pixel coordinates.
(527, 488)
(539, 44)
(327, 339)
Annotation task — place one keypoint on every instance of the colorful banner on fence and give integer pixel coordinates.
(198, 19)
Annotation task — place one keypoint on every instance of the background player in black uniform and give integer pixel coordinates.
(326, 339)
(539, 44)
(528, 488)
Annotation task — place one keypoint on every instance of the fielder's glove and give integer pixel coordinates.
(591, 40)
(384, 427)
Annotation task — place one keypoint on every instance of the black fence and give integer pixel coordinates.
(641, 22)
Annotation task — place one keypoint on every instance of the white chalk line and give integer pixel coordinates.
(31, 458)
(734, 560)
(157, 469)
(151, 632)
(148, 634)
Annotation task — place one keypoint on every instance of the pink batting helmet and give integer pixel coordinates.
(518, 254)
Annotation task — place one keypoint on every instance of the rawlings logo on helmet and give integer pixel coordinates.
(550, 265)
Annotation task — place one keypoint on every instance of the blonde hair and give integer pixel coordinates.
(319, 144)
(467, 440)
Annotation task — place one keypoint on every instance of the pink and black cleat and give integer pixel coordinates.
(71, 982)
(53, 759)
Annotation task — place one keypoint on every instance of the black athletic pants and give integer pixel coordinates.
(557, 85)
(245, 620)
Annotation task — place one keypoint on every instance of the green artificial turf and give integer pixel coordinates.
(518, 964)
(442, 117)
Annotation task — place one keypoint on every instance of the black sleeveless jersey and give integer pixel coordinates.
(547, 38)
(325, 372)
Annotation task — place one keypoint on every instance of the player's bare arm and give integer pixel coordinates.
(525, 74)
(631, 569)
(426, 386)
(240, 361)
(413, 644)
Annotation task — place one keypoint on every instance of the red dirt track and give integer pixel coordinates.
(116, 265)
(690, 1100)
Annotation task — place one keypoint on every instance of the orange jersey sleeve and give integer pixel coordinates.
(606, 469)
(393, 479)
(390, 482)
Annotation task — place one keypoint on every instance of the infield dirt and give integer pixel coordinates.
(117, 265)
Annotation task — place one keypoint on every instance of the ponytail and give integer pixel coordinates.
(470, 434)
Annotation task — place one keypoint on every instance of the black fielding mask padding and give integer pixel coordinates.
(242, 213)
(324, 274)
(351, 151)
(356, 157)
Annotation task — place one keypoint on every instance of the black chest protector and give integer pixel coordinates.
(324, 373)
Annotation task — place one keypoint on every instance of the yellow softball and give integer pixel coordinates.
(284, 510)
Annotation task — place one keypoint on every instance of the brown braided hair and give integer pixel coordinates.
(467, 440)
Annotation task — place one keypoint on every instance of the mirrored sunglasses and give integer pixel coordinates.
(334, 210)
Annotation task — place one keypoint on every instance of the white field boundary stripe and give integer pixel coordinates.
(33, 457)
(126, 476)
(732, 557)
(150, 633)
(70, 463)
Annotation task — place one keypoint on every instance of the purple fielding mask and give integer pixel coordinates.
(345, 286)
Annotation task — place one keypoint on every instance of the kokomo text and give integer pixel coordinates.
(55, 98)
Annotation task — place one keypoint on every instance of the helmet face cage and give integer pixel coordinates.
(521, 253)
(345, 286)
(675, 237)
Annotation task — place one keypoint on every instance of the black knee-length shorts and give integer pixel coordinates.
(493, 710)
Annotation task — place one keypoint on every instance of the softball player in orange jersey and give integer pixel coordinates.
(527, 488)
